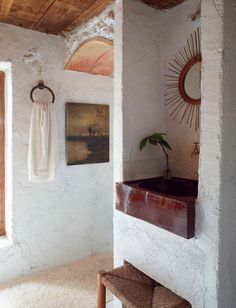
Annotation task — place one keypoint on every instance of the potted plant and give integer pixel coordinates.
(158, 139)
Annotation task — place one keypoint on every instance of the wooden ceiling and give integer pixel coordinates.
(56, 16)
(162, 4)
(50, 16)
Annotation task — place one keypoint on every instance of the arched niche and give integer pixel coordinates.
(95, 56)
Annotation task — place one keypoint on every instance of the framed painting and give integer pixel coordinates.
(87, 133)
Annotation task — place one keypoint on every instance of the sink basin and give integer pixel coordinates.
(172, 187)
(168, 204)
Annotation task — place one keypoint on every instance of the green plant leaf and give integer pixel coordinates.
(166, 144)
(155, 139)
(153, 142)
(159, 135)
(143, 143)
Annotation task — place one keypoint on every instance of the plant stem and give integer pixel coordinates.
(167, 159)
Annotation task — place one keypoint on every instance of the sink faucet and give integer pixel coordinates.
(196, 149)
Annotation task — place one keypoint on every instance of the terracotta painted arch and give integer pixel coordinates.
(95, 56)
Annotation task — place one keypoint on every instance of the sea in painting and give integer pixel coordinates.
(87, 133)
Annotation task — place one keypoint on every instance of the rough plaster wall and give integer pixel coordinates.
(118, 119)
(101, 25)
(118, 100)
(188, 267)
(143, 90)
(178, 28)
(210, 136)
(59, 221)
(227, 278)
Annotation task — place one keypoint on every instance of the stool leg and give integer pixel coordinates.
(101, 291)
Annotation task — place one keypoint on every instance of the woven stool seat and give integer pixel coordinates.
(136, 290)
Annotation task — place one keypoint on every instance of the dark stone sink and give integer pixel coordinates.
(168, 204)
(172, 187)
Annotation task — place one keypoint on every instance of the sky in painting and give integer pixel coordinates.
(82, 116)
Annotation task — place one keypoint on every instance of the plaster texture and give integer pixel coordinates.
(188, 267)
(143, 103)
(55, 222)
(227, 247)
(178, 28)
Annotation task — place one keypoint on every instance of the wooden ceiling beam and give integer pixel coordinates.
(60, 15)
(26, 13)
(5, 7)
(44, 13)
(56, 16)
(93, 10)
(50, 16)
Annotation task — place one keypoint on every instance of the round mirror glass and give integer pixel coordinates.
(192, 83)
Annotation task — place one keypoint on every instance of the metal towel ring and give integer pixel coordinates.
(42, 86)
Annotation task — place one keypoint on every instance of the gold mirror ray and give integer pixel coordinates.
(183, 89)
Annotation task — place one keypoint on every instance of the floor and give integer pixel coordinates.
(70, 286)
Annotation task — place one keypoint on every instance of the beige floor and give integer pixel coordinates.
(71, 286)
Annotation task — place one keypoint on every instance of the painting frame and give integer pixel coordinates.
(87, 133)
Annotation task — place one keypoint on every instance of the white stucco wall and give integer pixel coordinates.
(178, 28)
(60, 221)
(143, 89)
(188, 267)
(159, 37)
(227, 249)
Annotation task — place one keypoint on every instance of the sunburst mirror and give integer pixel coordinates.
(183, 88)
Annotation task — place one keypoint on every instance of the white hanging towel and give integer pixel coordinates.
(42, 154)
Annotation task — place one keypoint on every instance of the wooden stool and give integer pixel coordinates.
(136, 290)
